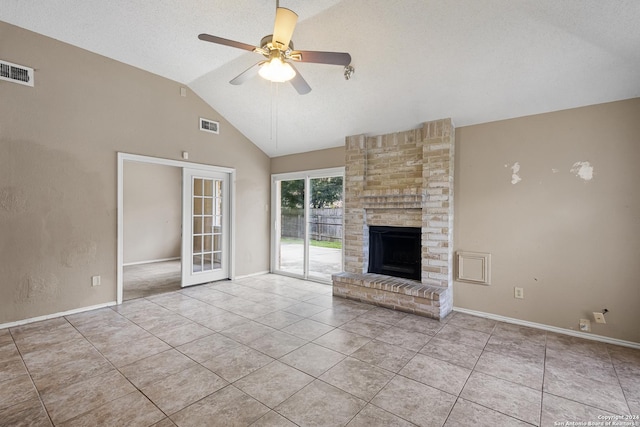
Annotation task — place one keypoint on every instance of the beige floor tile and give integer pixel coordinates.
(517, 369)
(5, 337)
(343, 341)
(279, 319)
(607, 396)
(70, 401)
(277, 344)
(463, 336)
(517, 346)
(179, 390)
(357, 378)
(41, 362)
(373, 416)
(237, 363)
(72, 371)
(415, 402)
(154, 368)
(16, 390)
(274, 383)
(247, 332)
(463, 320)
(384, 315)
(11, 368)
(557, 410)
(166, 422)
(273, 419)
(28, 413)
(420, 324)
(509, 330)
(9, 351)
(47, 333)
(125, 354)
(308, 329)
(220, 322)
(436, 373)
(383, 355)
(334, 317)
(228, 407)
(182, 334)
(208, 347)
(304, 309)
(503, 396)
(411, 340)
(469, 413)
(365, 327)
(320, 404)
(312, 359)
(131, 410)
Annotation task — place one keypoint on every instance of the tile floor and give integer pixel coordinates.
(276, 351)
(143, 280)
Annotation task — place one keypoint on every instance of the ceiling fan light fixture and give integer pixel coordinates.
(276, 70)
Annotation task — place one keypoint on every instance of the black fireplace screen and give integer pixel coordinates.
(395, 251)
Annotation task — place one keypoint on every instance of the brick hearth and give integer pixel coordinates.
(402, 179)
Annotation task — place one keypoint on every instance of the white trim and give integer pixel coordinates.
(315, 173)
(259, 273)
(150, 261)
(549, 328)
(122, 157)
(55, 315)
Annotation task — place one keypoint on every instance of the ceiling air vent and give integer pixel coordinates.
(209, 125)
(16, 73)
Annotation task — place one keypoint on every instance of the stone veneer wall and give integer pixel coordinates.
(403, 179)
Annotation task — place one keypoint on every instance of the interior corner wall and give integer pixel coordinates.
(152, 214)
(58, 164)
(554, 198)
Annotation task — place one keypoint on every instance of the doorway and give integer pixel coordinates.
(213, 247)
(307, 224)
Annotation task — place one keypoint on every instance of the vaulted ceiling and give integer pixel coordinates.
(416, 60)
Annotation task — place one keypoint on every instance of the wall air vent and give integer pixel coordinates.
(16, 73)
(209, 125)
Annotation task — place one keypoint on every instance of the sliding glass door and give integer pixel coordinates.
(307, 224)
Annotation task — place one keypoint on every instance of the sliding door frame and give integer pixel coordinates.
(275, 213)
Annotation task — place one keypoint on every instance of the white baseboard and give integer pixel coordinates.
(151, 261)
(259, 273)
(54, 315)
(549, 328)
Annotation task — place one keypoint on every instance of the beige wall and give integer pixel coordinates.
(321, 159)
(572, 243)
(152, 212)
(58, 164)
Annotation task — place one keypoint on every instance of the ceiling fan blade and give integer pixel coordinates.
(333, 58)
(247, 74)
(226, 42)
(283, 29)
(299, 83)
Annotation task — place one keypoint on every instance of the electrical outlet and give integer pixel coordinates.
(95, 280)
(585, 325)
(599, 317)
(518, 293)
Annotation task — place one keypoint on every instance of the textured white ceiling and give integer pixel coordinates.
(416, 60)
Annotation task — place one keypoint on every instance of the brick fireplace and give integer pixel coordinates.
(402, 179)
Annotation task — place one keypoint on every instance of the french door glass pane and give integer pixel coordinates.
(291, 250)
(207, 224)
(325, 227)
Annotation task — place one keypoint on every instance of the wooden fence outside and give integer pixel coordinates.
(324, 224)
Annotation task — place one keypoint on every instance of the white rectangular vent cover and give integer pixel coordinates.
(209, 125)
(16, 73)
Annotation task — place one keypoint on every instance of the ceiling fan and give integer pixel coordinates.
(278, 50)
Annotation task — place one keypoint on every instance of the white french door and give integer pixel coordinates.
(205, 226)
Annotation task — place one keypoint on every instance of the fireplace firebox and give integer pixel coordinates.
(395, 251)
